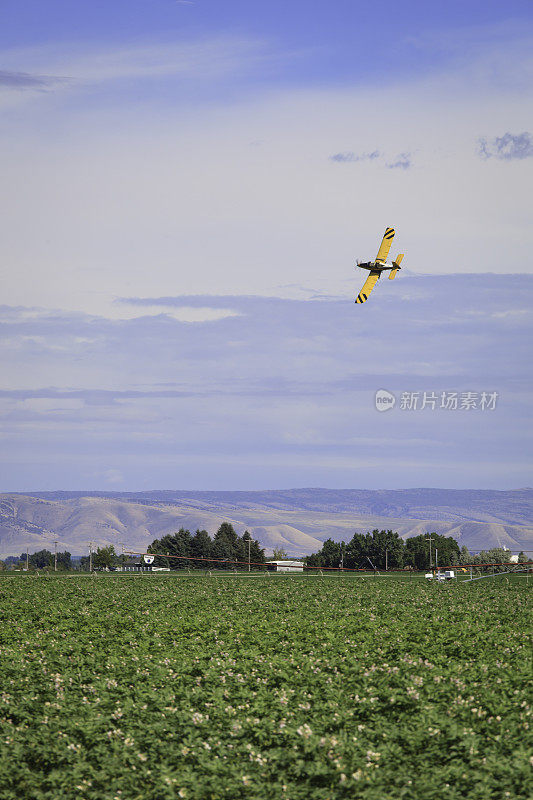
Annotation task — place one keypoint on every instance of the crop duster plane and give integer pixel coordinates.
(378, 266)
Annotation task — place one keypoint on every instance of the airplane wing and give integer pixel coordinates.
(370, 282)
(385, 246)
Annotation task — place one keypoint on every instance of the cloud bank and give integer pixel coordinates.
(508, 147)
(279, 394)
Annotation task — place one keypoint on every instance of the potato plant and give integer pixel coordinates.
(300, 688)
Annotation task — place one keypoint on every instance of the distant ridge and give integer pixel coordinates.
(514, 506)
(298, 520)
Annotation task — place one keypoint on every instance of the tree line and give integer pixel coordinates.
(226, 549)
(386, 549)
(383, 549)
(378, 549)
(183, 550)
(43, 559)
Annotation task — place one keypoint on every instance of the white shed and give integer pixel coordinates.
(285, 566)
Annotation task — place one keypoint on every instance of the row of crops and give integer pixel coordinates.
(153, 687)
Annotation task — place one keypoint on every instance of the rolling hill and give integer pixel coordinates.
(298, 520)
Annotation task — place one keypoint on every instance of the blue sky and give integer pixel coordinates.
(235, 159)
(339, 41)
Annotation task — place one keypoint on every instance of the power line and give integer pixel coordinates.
(264, 564)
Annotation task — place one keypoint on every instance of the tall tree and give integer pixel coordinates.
(356, 552)
(248, 546)
(84, 564)
(64, 560)
(385, 548)
(176, 544)
(225, 547)
(39, 560)
(200, 548)
(417, 551)
(104, 557)
(257, 553)
(329, 555)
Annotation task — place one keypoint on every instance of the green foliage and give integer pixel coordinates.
(43, 559)
(201, 545)
(379, 548)
(226, 549)
(84, 564)
(39, 560)
(417, 551)
(158, 688)
(496, 555)
(278, 554)
(104, 557)
(64, 560)
(464, 556)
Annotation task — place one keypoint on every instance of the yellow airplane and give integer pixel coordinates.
(377, 266)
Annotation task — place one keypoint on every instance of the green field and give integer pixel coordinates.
(157, 687)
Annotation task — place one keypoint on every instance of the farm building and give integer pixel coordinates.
(134, 565)
(285, 566)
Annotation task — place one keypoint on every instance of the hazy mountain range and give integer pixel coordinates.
(295, 519)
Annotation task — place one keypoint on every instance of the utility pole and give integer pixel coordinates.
(249, 545)
(386, 560)
(430, 540)
(90, 556)
(27, 561)
(436, 559)
(55, 556)
(122, 545)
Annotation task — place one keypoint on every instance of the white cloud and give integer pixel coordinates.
(206, 59)
(114, 477)
(181, 314)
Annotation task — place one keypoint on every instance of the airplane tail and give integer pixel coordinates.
(397, 262)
